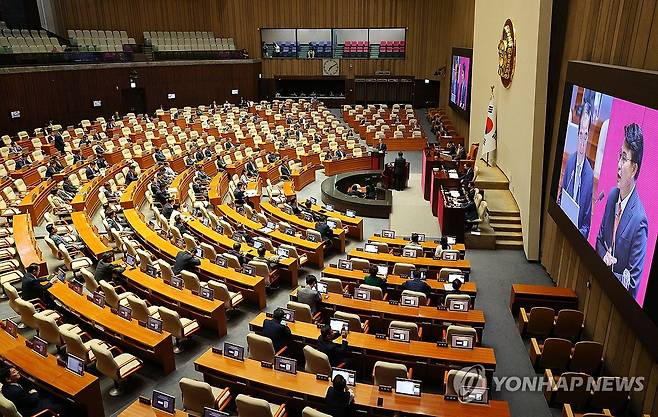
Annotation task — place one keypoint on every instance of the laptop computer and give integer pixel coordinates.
(458, 305)
(211, 412)
(283, 252)
(130, 260)
(409, 253)
(331, 224)
(382, 270)
(288, 315)
(322, 287)
(337, 325)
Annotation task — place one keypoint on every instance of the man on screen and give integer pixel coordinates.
(622, 238)
(578, 175)
(463, 85)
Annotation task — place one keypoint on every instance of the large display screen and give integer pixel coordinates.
(607, 182)
(460, 79)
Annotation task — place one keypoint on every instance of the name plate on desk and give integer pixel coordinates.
(441, 343)
(380, 336)
(347, 295)
(450, 397)
(393, 302)
(385, 388)
(321, 377)
(217, 350)
(265, 364)
(441, 307)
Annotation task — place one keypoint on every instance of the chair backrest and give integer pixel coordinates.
(444, 273)
(376, 293)
(139, 308)
(359, 264)
(540, 321)
(422, 298)
(7, 408)
(573, 393)
(252, 407)
(171, 322)
(412, 327)
(190, 280)
(302, 311)
(144, 259)
(208, 251)
(312, 412)
(555, 354)
(261, 348)
(615, 399)
(27, 311)
(353, 319)
(334, 285)
(232, 260)
(105, 362)
(111, 296)
(381, 246)
(460, 330)
(90, 282)
(386, 372)
(48, 329)
(568, 324)
(165, 269)
(196, 395)
(401, 268)
(262, 269)
(74, 345)
(457, 378)
(586, 357)
(316, 362)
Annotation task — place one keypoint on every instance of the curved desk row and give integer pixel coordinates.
(428, 246)
(26, 245)
(350, 164)
(302, 389)
(143, 342)
(433, 265)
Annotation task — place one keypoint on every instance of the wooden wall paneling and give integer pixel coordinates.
(652, 391)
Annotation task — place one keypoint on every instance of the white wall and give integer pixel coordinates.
(521, 109)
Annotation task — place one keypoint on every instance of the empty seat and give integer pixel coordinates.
(568, 324)
(118, 368)
(554, 354)
(587, 357)
(261, 348)
(198, 395)
(255, 407)
(385, 373)
(539, 323)
(179, 327)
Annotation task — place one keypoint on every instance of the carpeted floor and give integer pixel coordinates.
(493, 271)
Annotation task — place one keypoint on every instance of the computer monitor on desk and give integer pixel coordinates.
(349, 375)
(75, 365)
(233, 351)
(458, 305)
(210, 412)
(409, 253)
(331, 224)
(362, 294)
(382, 270)
(337, 325)
(398, 334)
(345, 264)
(473, 395)
(389, 234)
(461, 341)
(322, 287)
(163, 402)
(285, 364)
(407, 387)
(370, 248)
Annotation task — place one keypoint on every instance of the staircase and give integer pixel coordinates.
(507, 229)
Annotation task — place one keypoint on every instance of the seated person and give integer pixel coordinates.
(200, 188)
(159, 194)
(52, 168)
(467, 178)
(105, 269)
(250, 168)
(199, 174)
(371, 192)
(98, 149)
(185, 261)
(414, 242)
(460, 153)
(207, 153)
(101, 163)
(131, 175)
(375, 280)
(115, 223)
(28, 401)
(240, 234)
(235, 251)
(271, 157)
(239, 194)
(443, 245)
(167, 209)
(58, 202)
(23, 161)
(309, 294)
(180, 225)
(355, 191)
(220, 164)
(91, 172)
(418, 285)
(33, 287)
(339, 399)
(277, 330)
(68, 186)
(198, 155)
(285, 173)
(61, 193)
(189, 161)
(340, 154)
(323, 228)
(336, 353)
(159, 155)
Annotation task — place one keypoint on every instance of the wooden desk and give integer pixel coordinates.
(429, 162)
(350, 164)
(314, 250)
(89, 234)
(218, 188)
(381, 313)
(368, 350)
(143, 342)
(428, 246)
(301, 224)
(35, 203)
(87, 196)
(26, 245)
(137, 409)
(303, 177)
(209, 313)
(29, 174)
(394, 282)
(528, 296)
(289, 267)
(302, 389)
(354, 224)
(433, 265)
(251, 287)
(450, 216)
(84, 390)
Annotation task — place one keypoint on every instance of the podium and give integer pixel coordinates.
(388, 177)
(377, 160)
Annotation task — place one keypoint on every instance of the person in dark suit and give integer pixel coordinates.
(276, 330)
(398, 171)
(418, 285)
(235, 251)
(180, 225)
(51, 169)
(622, 237)
(468, 176)
(28, 401)
(31, 285)
(239, 194)
(250, 168)
(59, 143)
(323, 228)
(460, 153)
(159, 155)
(220, 164)
(22, 161)
(578, 179)
(340, 154)
(326, 345)
(105, 269)
(185, 261)
(284, 171)
(90, 172)
(381, 146)
(198, 155)
(339, 399)
(131, 175)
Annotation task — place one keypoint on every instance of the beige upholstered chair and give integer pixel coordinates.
(384, 373)
(456, 378)
(445, 272)
(401, 268)
(191, 281)
(27, 311)
(141, 311)
(49, 331)
(303, 312)
(376, 293)
(90, 282)
(77, 347)
(179, 327)
(312, 412)
(454, 330)
(112, 298)
(261, 348)
(255, 407)
(119, 367)
(354, 322)
(316, 362)
(230, 299)
(415, 331)
(197, 395)
(334, 285)
(359, 264)
(422, 297)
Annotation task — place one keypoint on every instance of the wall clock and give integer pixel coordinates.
(507, 54)
(330, 67)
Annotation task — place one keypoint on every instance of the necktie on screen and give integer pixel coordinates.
(576, 186)
(617, 218)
